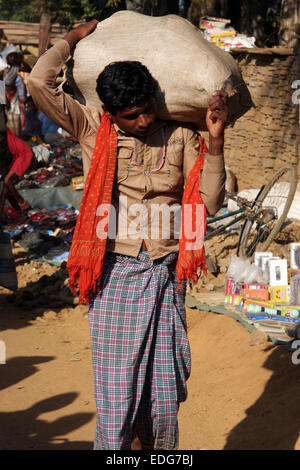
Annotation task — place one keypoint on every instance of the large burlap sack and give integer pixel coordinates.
(186, 66)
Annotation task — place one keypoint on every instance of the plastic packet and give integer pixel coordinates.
(242, 270)
(237, 268)
(255, 275)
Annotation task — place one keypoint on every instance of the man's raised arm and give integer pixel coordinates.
(45, 89)
(213, 176)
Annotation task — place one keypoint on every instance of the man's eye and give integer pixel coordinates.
(131, 117)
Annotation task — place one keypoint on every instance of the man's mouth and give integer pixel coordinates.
(145, 130)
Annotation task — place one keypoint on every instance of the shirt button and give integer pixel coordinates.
(146, 172)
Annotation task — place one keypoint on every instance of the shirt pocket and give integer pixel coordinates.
(123, 163)
(173, 167)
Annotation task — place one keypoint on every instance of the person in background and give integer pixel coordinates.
(3, 67)
(5, 154)
(15, 159)
(24, 71)
(15, 90)
(48, 129)
(33, 127)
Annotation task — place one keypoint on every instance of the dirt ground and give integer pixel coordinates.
(240, 396)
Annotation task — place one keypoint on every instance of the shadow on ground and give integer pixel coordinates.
(273, 421)
(47, 292)
(25, 430)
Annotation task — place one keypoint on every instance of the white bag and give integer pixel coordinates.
(186, 66)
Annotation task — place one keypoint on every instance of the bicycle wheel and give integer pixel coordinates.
(269, 211)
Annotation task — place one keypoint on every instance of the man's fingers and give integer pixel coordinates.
(217, 101)
(220, 94)
(85, 29)
(217, 105)
(217, 115)
(93, 23)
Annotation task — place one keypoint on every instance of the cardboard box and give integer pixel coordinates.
(258, 294)
(233, 287)
(260, 254)
(78, 183)
(255, 286)
(219, 38)
(278, 275)
(280, 294)
(211, 22)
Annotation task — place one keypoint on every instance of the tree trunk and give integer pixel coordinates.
(253, 20)
(289, 17)
(44, 33)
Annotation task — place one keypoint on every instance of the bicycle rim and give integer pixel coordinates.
(280, 190)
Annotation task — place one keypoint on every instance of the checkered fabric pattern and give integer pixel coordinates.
(141, 354)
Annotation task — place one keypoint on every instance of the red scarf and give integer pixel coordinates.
(191, 258)
(86, 257)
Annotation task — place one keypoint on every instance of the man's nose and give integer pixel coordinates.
(144, 120)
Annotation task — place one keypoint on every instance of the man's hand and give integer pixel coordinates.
(83, 30)
(216, 118)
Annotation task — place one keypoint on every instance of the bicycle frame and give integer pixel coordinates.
(223, 227)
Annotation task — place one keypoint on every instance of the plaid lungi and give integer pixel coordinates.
(140, 350)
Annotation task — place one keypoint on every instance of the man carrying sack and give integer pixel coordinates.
(133, 271)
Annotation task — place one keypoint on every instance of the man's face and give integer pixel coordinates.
(138, 120)
(14, 59)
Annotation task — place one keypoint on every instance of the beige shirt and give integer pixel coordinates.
(147, 178)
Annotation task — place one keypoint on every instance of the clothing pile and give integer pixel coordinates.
(61, 167)
(45, 233)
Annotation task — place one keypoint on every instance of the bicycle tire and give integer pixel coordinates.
(246, 251)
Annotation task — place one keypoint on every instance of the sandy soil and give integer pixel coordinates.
(240, 396)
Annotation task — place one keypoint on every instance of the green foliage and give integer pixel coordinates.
(14, 10)
(64, 12)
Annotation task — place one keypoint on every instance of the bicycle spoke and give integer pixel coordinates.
(268, 212)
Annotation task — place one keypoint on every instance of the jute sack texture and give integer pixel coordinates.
(186, 66)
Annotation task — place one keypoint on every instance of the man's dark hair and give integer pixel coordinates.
(125, 84)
